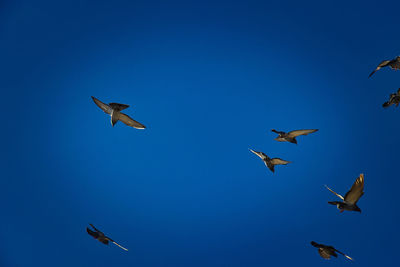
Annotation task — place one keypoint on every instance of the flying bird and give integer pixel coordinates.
(393, 64)
(97, 234)
(291, 136)
(270, 162)
(114, 110)
(394, 99)
(352, 196)
(327, 251)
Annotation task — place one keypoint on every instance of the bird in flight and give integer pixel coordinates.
(394, 99)
(270, 163)
(352, 196)
(327, 251)
(97, 234)
(291, 136)
(114, 110)
(393, 64)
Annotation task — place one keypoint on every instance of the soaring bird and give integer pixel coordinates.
(393, 64)
(351, 197)
(327, 251)
(394, 99)
(291, 136)
(114, 110)
(97, 234)
(270, 162)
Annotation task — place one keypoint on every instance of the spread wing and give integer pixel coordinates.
(259, 154)
(356, 191)
(344, 254)
(130, 122)
(296, 133)
(381, 65)
(119, 245)
(278, 161)
(340, 196)
(106, 108)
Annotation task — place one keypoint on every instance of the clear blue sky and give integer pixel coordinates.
(209, 80)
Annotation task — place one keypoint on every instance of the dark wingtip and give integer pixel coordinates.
(313, 243)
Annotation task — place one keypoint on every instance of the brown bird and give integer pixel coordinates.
(327, 251)
(291, 136)
(97, 234)
(352, 196)
(270, 163)
(393, 64)
(113, 109)
(394, 99)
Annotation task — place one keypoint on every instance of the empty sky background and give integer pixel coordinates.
(209, 80)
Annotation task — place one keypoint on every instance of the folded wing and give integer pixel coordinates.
(130, 122)
(356, 191)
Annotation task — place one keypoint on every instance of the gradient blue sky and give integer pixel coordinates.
(209, 79)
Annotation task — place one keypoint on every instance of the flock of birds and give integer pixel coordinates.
(348, 202)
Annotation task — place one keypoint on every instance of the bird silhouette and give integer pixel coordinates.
(352, 196)
(97, 234)
(114, 110)
(270, 163)
(327, 251)
(393, 64)
(291, 136)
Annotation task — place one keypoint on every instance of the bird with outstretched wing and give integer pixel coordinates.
(114, 110)
(349, 201)
(393, 64)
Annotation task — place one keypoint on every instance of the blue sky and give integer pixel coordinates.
(209, 80)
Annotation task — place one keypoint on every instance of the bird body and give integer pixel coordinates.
(349, 202)
(393, 64)
(394, 99)
(270, 163)
(114, 110)
(291, 136)
(327, 252)
(100, 236)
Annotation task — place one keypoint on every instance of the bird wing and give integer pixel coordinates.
(382, 64)
(92, 233)
(119, 245)
(278, 161)
(350, 258)
(259, 154)
(398, 91)
(106, 108)
(296, 133)
(130, 122)
(356, 191)
(324, 254)
(340, 196)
